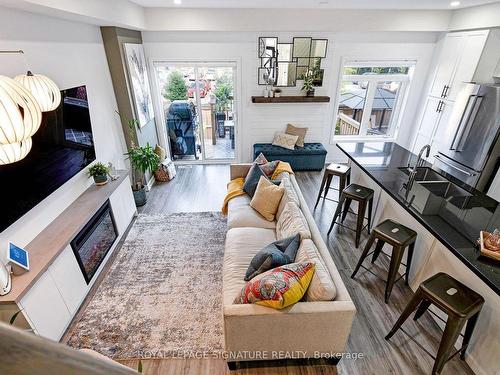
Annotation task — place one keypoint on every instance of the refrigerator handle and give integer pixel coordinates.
(466, 122)
(437, 156)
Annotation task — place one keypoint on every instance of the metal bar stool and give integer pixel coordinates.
(343, 172)
(460, 303)
(364, 197)
(399, 237)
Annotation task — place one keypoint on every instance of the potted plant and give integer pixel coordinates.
(277, 92)
(141, 159)
(308, 86)
(99, 172)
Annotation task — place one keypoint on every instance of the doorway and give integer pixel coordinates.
(199, 110)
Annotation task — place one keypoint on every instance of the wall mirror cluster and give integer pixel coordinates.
(282, 64)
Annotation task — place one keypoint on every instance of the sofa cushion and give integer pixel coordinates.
(267, 198)
(241, 214)
(322, 287)
(291, 222)
(241, 246)
(252, 179)
(273, 255)
(278, 288)
(288, 196)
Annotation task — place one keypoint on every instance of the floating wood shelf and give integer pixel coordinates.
(291, 99)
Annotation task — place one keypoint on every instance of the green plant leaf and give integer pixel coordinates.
(14, 317)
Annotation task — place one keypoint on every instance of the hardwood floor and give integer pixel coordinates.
(202, 188)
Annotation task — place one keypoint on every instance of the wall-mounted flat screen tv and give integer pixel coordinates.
(62, 147)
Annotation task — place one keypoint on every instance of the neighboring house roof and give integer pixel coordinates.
(355, 99)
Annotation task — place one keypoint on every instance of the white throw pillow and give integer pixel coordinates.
(291, 222)
(321, 287)
(285, 140)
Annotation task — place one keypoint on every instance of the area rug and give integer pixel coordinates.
(162, 296)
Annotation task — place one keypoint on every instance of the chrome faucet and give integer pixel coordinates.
(413, 171)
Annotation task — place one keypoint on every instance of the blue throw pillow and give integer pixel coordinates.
(252, 179)
(273, 255)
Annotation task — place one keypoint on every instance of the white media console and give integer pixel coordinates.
(50, 294)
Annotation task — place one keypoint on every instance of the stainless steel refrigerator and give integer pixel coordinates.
(470, 149)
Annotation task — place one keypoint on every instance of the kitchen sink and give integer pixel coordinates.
(444, 189)
(436, 184)
(425, 174)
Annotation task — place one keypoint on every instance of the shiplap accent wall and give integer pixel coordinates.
(259, 122)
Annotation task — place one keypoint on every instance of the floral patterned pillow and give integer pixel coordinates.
(278, 288)
(285, 140)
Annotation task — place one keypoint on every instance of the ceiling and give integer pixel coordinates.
(314, 4)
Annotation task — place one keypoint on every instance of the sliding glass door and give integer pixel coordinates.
(199, 109)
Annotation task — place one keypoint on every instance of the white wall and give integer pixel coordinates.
(259, 122)
(71, 54)
(480, 17)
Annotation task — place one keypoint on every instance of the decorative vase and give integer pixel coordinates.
(140, 197)
(277, 94)
(101, 180)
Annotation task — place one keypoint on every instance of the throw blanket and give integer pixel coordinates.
(235, 187)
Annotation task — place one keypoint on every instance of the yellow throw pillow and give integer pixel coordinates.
(267, 198)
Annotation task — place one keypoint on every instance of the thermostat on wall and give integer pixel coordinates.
(19, 259)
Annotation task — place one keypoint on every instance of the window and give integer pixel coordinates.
(370, 98)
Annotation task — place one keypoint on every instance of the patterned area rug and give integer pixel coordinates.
(162, 295)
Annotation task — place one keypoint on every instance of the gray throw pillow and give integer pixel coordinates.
(252, 179)
(273, 255)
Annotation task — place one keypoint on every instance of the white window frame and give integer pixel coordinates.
(372, 80)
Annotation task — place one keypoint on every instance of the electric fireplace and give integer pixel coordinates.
(94, 241)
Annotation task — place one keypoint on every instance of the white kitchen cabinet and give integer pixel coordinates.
(449, 56)
(457, 64)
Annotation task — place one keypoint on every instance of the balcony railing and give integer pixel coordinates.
(346, 125)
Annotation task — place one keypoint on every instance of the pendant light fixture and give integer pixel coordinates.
(20, 113)
(43, 89)
(12, 152)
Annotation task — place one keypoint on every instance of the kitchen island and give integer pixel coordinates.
(448, 216)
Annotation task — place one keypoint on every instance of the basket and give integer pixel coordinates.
(484, 250)
(161, 174)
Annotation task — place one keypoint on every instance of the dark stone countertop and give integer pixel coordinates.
(455, 216)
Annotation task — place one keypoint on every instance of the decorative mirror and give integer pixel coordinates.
(282, 64)
(268, 46)
(318, 48)
(285, 51)
(302, 47)
(266, 76)
(303, 61)
(301, 71)
(287, 72)
(315, 61)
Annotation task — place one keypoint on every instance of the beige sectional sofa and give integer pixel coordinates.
(306, 329)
